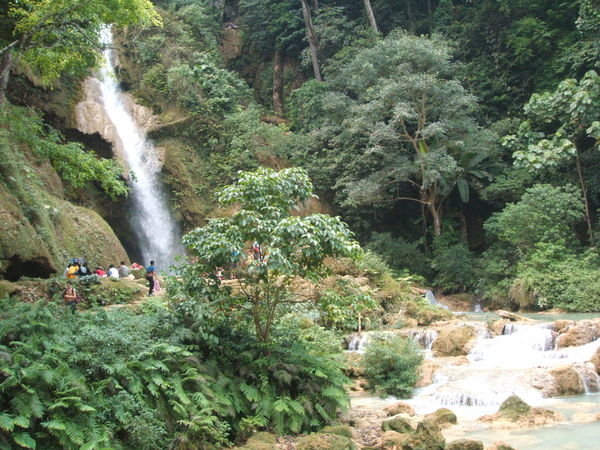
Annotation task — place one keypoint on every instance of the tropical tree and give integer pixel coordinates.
(290, 248)
(53, 37)
(398, 126)
(559, 127)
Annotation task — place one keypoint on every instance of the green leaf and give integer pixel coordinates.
(24, 440)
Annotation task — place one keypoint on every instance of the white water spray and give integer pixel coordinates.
(156, 231)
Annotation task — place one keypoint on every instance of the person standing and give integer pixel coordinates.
(70, 296)
(150, 273)
(123, 270)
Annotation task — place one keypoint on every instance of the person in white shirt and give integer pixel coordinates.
(113, 272)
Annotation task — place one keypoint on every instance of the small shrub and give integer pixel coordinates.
(391, 364)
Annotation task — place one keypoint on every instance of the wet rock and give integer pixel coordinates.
(515, 413)
(595, 360)
(398, 424)
(513, 408)
(512, 316)
(399, 408)
(497, 327)
(340, 430)
(324, 441)
(583, 417)
(393, 440)
(454, 341)
(560, 325)
(443, 417)
(465, 444)
(426, 372)
(427, 437)
(566, 382)
(500, 446)
(578, 333)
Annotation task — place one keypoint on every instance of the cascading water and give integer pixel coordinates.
(156, 231)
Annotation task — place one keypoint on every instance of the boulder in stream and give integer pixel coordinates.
(464, 444)
(454, 341)
(512, 316)
(497, 327)
(515, 413)
(399, 408)
(595, 360)
(443, 417)
(500, 446)
(398, 424)
(578, 333)
(567, 381)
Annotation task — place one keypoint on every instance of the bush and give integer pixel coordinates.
(400, 254)
(553, 277)
(391, 364)
(453, 263)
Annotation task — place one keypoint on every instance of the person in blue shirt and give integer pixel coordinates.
(150, 272)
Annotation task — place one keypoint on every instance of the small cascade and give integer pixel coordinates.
(424, 338)
(589, 376)
(477, 308)
(358, 343)
(430, 296)
(156, 230)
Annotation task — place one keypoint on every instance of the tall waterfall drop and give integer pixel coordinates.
(156, 231)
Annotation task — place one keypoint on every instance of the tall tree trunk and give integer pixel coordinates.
(278, 82)
(437, 219)
(5, 68)
(371, 16)
(315, 4)
(588, 216)
(312, 39)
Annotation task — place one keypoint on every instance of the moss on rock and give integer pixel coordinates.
(398, 424)
(442, 417)
(340, 430)
(324, 441)
(465, 444)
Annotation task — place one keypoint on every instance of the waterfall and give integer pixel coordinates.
(430, 296)
(424, 338)
(156, 231)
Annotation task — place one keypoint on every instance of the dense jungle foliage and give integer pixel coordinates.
(457, 139)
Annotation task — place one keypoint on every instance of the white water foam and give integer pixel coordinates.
(156, 231)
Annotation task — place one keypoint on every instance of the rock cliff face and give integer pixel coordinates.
(40, 230)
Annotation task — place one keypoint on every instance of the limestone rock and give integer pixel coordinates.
(399, 408)
(560, 325)
(260, 441)
(596, 360)
(398, 424)
(324, 441)
(514, 413)
(340, 430)
(566, 381)
(513, 408)
(426, 372)
(393, 440)
(512, 316)
(497, 327)
(427, 437)
(454, 341)
(579, 333)
(465, 444)
(500, 446)
(443, 417)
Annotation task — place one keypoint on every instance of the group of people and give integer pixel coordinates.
(78, 267)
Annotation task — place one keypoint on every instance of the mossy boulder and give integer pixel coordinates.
(454, 341)
(340, 430)
(394, 440)
(427, 437)
(398, 424)
(499, 445)
(260, 441)
(325, 441)
(443, 417)
(464, 444)
(513, 408)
